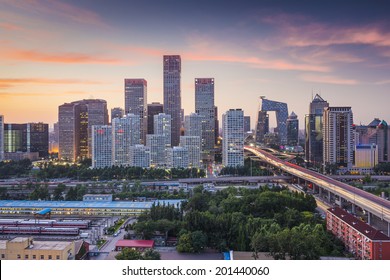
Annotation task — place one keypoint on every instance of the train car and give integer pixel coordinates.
(20, 230)
(76, 223)
(43, 223)
(9, 222)
(60, 231)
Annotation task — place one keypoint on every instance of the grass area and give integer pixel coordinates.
(116, 226)
(101, 242)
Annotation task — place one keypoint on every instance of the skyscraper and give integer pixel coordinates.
(136, 102)
(101, 146)
(153, 109)
(117, 112)
(262, 126)
(204, 106)
(233, 138)
(1, 137)
(162, 126)
(338, 136)
(125, 133)
(247, 123)
(292, 130)
(193, 145)
(75, 121)
(313, 130)
(193, 124)
(216, 131)
(172, 94)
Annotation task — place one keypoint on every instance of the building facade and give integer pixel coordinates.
(117, 112)
(153, 109)
(262, 126)
(193, 125)
(292, 130)
(172, 93)
(156, 143)
(338, 136)
(193, 145)
(162, 126)
(125, 133)
(140, 156)
(366, 155)
(101, 146)
(136, 102)
(360, 239)
(233, 138)
(314, 130)
(1, 137)
(247, 123)
(177, 157)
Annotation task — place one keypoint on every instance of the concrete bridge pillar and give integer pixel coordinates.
(329, 196)
(353, 208)
(368, 218)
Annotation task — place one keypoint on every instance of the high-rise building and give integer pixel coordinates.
(101, 146)
(292, 129)
(75, 121)
(247, 123)
(172, 94)
(153, 109)
(193, 145)
(313, 130)
(136, 102)
(29, 138)
(177, 157)
(338, 136)
(162, 126)
(262, 126)
(216, 131)
(125, 133)
(204, 107)
(233, 138)
(1, 137)
(157, 147)
(140, 156)
(366, 155)
(193, 124)
(117, 112)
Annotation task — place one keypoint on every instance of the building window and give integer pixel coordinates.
(42, 257)
(58, 257)
(34, 257)
(50, 257)
(26, 257)
(18, 256)
(3, 256)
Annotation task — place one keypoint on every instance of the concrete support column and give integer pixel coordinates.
(329, 194)
(353, 208)
(319, 190)
(368, 218)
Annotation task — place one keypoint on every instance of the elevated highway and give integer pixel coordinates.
(374, 205)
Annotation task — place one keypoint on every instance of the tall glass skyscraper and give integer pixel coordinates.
(292, 129)
(153, 109)
(172, 94)
(101, 146)
(233, 138)
(136, 102)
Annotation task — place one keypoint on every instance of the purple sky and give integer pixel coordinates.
(53, 52)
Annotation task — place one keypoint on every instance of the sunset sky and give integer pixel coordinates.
(52, 52)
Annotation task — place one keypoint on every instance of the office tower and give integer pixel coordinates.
(193, 124)
(216, 131)
(281, 111)
(162, 126)
(247, 123)
(366, 155)
(338, 136)
(1, 137)
(136, 102)
(292, 129)
(157, 147)
(28, 138)
(233, 138)
(177, 157)
(172, 94)
(53, 139)
(101, 146)
(117, 112)
(140, 156)
(262, 126)
(193, 145)
(204, 106)
(153, 109)
(125, 133)
(313, 130)
(75, 121)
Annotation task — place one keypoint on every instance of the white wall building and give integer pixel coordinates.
(193, 144)
(162, 126)
(366, 156)
(101, 146)
(233, 138)
(177, 157)
(140, 156)
(157, 147)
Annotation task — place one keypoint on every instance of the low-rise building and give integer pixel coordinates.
(25, 248)
(140, 245)
(361, 239)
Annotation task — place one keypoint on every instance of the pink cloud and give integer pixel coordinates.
(9, 82)
(9, 26)
(324, 79)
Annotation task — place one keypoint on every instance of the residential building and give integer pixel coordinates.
(136, 102)
(153, 109)
(177, 157)
(125, 133)
(162, 126)
(292, 129)
(193, 124)
(233, 138)
(140, 156)
(338, 136)
(193, 145)
(360, 239)
(101, 146)
(26, 248)
(157, 146)
(172, 94)
(314, 130)
(139, 245)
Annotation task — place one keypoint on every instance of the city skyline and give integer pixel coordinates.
(57, 52)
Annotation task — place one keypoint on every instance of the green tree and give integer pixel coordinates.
(150, 254)
(129, 254)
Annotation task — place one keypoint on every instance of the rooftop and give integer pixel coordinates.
(135, 243)
(359, 225)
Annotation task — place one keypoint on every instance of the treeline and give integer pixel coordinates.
(84, 173)
(382, 168)
(9, 169)
(271, 220)
(250, 168)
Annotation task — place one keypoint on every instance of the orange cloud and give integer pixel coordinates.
(328, 80)
(9, 26)
(6, 83)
